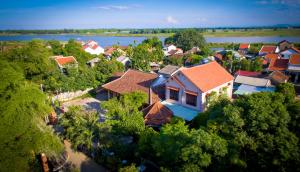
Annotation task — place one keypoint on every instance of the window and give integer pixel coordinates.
(174, 94)
(191, 99)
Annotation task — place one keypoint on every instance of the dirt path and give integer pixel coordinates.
(81, 161)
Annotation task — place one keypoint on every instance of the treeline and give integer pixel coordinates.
(138, 31)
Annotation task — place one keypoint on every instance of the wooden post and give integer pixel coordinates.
(44, 162)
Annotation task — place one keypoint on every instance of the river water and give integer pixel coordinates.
(126, 40)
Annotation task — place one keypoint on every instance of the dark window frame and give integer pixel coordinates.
(191, 101)
(174, 94)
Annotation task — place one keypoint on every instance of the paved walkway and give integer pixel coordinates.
(88, 103)
(81, 161)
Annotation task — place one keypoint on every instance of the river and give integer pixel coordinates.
(105, 41)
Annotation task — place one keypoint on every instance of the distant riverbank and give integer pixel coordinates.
(206, 33)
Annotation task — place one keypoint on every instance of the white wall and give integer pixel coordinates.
(201, 99)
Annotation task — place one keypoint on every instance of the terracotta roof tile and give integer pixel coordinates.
(278, 77)
(60, 60)
(244, 46)
(207, 76)
(157, 114)
(247, 73)
(295, 59)
(269, 49)
(278, 64)
(131, 81)
(269, 57)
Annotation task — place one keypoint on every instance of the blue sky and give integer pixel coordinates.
(58, 14)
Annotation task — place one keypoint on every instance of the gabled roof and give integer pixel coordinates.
(278, 77)
(258, 82)
(157, 114)
(295, 59)
(131, 81)
(284, 42)
(270, 57)
(207, 76)
(247, 73)
(244, 46)
(168, 70)
(278, 64)
(61, 60)
(268, 49)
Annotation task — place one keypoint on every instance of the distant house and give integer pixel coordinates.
(268, 49)
(247, 73)
(154, 66)
(188, 89)
(284, 45)
(248, 85)
(244, 48)
(278, 64)
(175, 52)
(169, 48)
(92, 47)
(109, 50)
(124, 60)
(286, 54)
(63, 62)
(93, 62)
(132, 81)
(193, 50)
(168, 70)
(294, 67)
(278, 77)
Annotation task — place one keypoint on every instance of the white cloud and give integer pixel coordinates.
(113, 7)
(171, 20)
(279, 2)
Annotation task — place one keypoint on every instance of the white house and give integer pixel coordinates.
(191, 87)
(124, 60)
(169, 48)
(92, 47)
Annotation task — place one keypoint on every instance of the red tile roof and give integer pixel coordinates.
(244, 46)
(60, 60)
(157, 114)
(278, 64)
(268, 49)
(278, 77)
(207, 76)
(295, 59)
(247, 73)
(131, 81)
(269, 57)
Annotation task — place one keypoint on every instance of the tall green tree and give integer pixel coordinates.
(24, 133)
(187, 39)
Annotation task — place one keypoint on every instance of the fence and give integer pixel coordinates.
(70, 95)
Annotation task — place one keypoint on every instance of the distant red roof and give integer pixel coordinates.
(278, 64)
(207, 76)
(268, 49)
(295, 59)
(131, 81)
(244, 46)
(219, 56)
(247, 73)
(95, 47)
(157, 114)
(60, 60)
